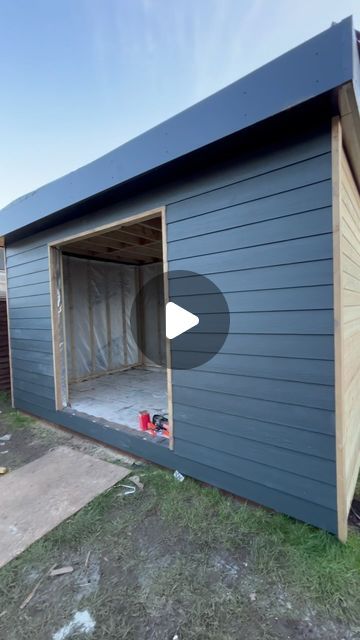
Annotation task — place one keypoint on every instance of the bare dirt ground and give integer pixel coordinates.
(174, 561)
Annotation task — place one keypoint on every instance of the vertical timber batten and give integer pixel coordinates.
(55, 328)
(167, 341)
(338, 328)
(8, 332)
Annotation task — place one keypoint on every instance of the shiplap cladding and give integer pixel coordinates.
(350, 261)
(258, 418)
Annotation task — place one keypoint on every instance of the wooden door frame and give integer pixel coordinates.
(55, 327)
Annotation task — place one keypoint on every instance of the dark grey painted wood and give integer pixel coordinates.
(302, 225)
(297, 275)
(41, 265)
(309, 395)
(257, 419)
(32, 345)
(300, 508)
(302, 417)
(286, 203)
(34, 377)
(294, 298)
(319, 493)
(30, 334)
(292, 322)
(264, 453)
(315, 347)
(283, 368)
(33, 312)
(265, 432)
(33, 289)
(286, 252)
(267, 185)
(27, 279)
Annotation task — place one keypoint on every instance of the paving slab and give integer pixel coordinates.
(38, 496)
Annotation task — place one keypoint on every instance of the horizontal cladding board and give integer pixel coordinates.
(302, 322)
(305, 488)
(351, 212)
(13, 258)
(350, 228)
(33, 312)
(16, 271)
(31, 323)
(38, 356)
(351, 282)
(38, 399)
(277, 253)
(261, 162)
(275, 499)
(351, 255)
(29, 301)
(308, 224)
(296, 370)
(282, 346)
(34, 289)
(294, 298)
(33, 377)
(35, 388)
(351, 314)
(301, 417)
(32, 365)
(32, 345)
(28, 279)
(299, 200)
(276, 435)
(300, 274)
(351, 298)
(31, 334)
(265, 185)
(298, 393)
(249, 450)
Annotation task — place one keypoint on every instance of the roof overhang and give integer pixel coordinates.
(349, 109)
(324, 63)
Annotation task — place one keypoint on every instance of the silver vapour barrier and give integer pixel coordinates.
(98, 299)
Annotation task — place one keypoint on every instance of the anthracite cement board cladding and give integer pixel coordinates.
(258, 418)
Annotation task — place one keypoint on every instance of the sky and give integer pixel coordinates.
(81, 77)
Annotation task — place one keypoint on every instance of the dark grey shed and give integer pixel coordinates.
(257, 188)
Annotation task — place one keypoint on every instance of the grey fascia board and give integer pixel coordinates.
(311, 69)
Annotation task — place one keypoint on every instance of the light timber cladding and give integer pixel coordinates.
(346, 208)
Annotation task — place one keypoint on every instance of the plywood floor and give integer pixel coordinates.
(119, 397)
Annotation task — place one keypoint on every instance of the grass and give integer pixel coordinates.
(157, 551)
(15, 419)
(182, 558)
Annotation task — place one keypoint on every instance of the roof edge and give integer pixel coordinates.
(321, 64)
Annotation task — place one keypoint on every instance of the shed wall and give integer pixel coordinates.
(350, 206)
(258, 418)
(346, 208)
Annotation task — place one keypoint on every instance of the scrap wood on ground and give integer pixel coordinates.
(177, 559)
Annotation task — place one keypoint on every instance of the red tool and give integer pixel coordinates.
(158, 426)
(144, 419)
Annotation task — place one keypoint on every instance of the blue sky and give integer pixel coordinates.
(80, 77)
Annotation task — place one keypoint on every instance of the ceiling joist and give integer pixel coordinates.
(139, 243)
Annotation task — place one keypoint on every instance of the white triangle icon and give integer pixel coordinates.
(178, 320)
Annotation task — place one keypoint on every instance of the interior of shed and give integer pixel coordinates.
(113, 326)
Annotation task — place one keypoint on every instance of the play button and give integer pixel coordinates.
(178, 320)
(194, 322)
